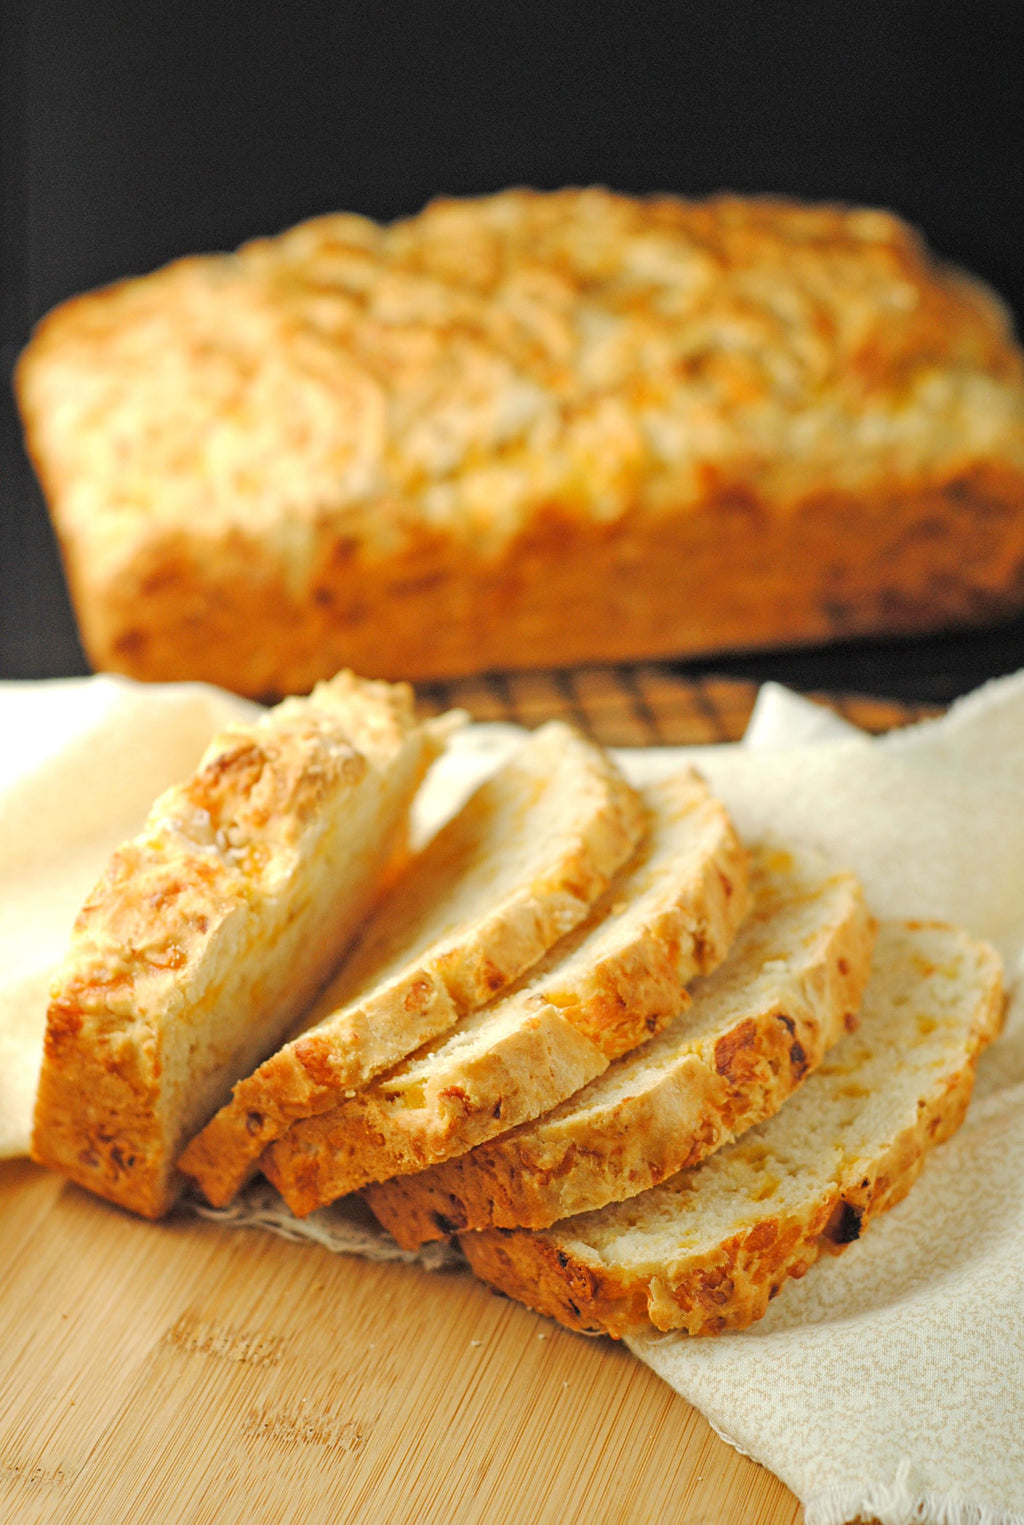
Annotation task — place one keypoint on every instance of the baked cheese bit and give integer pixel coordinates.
(708, 1248)
(212, 929)
(517, 867)
(762, 1021)
(670, 915)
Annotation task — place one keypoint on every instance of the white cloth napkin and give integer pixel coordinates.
(889, 1383)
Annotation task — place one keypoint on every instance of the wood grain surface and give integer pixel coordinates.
(185, 1373)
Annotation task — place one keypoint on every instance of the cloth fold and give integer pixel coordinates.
(888, 1383)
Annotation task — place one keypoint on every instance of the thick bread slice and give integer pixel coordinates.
(707, 1249)
(516, 868)
(760, 1023)
(671, 915)
(211, 930)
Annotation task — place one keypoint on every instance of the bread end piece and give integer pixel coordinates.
(212, 929)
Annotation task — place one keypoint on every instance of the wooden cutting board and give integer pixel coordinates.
(185, 1373)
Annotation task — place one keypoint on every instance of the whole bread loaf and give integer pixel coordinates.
(529, 430)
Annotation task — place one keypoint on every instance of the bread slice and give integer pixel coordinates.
(619, 978)
(707, 1249)
(211, 930)
(518, 866)
(761, 1022)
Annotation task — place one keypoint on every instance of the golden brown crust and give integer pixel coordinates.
(672, 913)
(728, 1281)
(725, 1065)
(732, 1288)
(544, 1059)
(518, 867)
(211, 930)
(719, 424)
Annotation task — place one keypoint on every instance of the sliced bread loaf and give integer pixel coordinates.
(517, 867)
(211, 930)
(791, 986)
(708, 1248)
(672, 914)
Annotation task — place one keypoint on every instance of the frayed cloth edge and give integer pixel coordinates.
(898, 1503)
(259, 1206)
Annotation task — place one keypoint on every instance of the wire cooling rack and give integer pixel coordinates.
(637, 706)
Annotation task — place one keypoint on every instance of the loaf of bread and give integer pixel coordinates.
(707, 1249)
(529, 430)
(671, 915)
(216, 926)
(757, 1026)
(517, 867)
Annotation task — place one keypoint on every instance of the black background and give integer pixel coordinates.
(136, 132)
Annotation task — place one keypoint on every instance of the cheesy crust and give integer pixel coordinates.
(420, 449)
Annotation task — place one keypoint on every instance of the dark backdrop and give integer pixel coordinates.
(136, 132)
